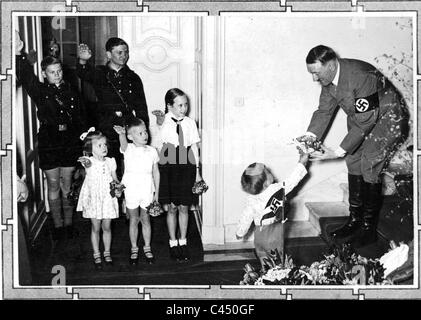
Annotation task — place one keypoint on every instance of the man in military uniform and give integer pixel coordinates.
(118, 88)
(377, 121)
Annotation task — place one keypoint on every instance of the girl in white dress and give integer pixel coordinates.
(141, 179)
(95, 199)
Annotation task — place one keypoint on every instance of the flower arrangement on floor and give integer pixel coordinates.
(342, 267)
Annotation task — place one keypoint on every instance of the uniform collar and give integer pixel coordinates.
(123, 70)
(61, 86)
(171, 115)
(336, 78)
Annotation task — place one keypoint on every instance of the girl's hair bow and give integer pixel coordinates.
(83, 135)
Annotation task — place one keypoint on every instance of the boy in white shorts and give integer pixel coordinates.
(141, 179)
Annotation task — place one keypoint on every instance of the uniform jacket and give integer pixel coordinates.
(363, 93)
(110, 105)
(58, 107)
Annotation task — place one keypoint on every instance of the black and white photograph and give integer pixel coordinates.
(210, 150)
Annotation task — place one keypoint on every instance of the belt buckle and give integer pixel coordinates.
(62, 127)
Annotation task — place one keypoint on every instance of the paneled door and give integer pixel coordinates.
(164, 53)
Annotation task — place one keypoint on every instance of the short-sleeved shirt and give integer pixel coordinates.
(168, 132)
(138, 162)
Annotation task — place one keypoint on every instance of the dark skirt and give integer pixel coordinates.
(176, 184)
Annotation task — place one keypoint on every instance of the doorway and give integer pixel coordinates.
(165, 51)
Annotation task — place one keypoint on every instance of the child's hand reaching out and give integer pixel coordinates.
(160, 116)
(85, 161)
(119, 129)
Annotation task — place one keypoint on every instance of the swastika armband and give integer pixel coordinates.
(365, 104)
(274, 204)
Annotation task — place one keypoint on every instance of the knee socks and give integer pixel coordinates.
(55, 210)
(67, 212)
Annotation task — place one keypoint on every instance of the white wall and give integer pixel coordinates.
(269, 96)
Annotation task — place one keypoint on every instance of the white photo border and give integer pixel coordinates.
(8, 207)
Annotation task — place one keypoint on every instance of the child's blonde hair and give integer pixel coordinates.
(254, 178)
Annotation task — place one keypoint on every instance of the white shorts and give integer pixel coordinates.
(138, 193)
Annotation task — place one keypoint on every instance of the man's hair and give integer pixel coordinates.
(48, 61)
(115, 42)
(254, 177)
(134, 122)
(321, 53)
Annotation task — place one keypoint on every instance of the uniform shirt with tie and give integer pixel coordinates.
(168, 131)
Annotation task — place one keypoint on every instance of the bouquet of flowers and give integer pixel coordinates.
(308, 144)
(342, 267)
(116, 189)
(199, 187)
(154, 209)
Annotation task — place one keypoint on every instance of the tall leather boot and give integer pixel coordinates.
(354, 222)
(371, 208)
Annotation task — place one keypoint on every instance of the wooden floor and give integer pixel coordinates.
(75, 255)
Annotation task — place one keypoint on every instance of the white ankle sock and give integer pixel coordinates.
(173, 243)
(182, 242)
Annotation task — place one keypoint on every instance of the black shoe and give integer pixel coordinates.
(184, 253)
(58, 234)
(134, 256)
(69, 232)
(348, 230)
(150, 259)
(107, 258)
(367, 235)
(97, 261)
(175, 253)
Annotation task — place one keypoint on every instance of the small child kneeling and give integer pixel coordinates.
(264, 198)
